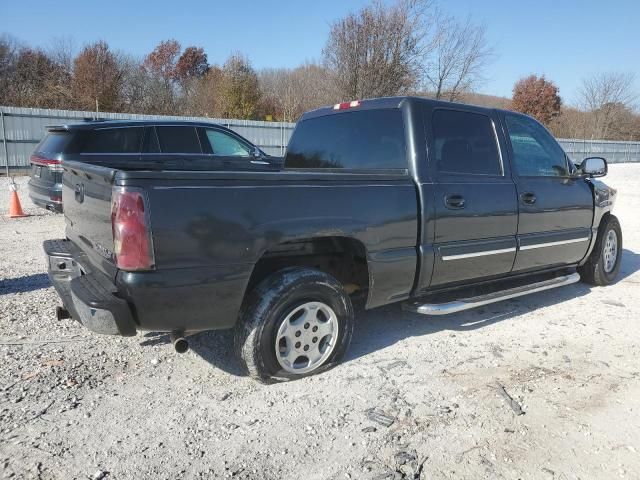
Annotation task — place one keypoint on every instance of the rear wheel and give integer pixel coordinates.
(295, 323)
(603, 264)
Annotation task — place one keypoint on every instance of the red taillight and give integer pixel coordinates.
(51, 163)
(345, 105)
(132, 243)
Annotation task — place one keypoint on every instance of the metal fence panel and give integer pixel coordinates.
(25, 127)
(613, 151)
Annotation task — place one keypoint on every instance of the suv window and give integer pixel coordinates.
(55, 142)
(178, 139)
(113, 140)
(535, 152)
(465, 143)
(368, 139)
(226, 145)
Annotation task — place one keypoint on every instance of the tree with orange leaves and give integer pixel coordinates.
(538, 97)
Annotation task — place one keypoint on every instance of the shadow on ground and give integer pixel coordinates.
(383, 327)
(216, 347)
(28, 283)
(630, 264)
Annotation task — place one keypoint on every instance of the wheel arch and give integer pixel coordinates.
(595, 231)
(343, 257)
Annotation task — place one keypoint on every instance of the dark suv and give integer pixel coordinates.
(136, 144)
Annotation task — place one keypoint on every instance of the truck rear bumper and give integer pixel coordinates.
(89, 296)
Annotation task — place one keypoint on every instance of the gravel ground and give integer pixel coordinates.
(416, 397)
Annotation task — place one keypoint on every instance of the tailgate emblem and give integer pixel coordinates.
(79, 192)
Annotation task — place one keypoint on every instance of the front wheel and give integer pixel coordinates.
(297, 322)
(603, 264)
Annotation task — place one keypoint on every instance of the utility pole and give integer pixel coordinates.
(4, 141)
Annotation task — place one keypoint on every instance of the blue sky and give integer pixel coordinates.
(564, 39)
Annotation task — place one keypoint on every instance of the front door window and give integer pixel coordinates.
(535, 151)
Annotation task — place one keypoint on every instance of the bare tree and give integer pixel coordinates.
(34, 82)
(134, 91)
(458, 56)
(160, 65)
(62, 50)
(287, 93)
(279, 93)
(571, 123)
(375, 51)
(314, 88)
(607, 95)
(9, 50)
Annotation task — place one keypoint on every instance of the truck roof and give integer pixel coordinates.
(384, 102)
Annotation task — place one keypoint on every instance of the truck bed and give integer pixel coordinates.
(210, 228)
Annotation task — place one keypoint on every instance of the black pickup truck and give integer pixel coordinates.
(440, 206)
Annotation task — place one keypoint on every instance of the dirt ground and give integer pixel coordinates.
(416, 397)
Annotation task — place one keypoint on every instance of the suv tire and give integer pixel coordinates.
(295, 323)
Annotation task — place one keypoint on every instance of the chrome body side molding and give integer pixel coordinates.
(553, 244)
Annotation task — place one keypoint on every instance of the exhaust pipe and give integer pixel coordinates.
(62, 313)
(180, 343)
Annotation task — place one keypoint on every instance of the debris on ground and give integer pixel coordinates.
(515, 406)
(379, 416)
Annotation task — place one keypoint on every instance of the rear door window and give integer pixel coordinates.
(464, 143)
(113, 140)
(178, 139)
(366, 139)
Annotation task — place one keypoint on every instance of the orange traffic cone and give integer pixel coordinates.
(15, 209)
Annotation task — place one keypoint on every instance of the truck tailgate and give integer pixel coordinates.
(86, 196)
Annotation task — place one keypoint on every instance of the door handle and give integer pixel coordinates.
(454, 201)
(528, 198)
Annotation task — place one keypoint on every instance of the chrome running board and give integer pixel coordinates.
(473, 302)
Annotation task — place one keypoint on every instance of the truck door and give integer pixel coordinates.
(556, 209)
(475, 206)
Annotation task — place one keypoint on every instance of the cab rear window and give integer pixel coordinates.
(359, 140)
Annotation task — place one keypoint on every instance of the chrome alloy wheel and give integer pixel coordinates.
(610, 251)
(306, 337)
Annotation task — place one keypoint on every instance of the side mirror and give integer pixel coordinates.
(256, 153)
(594, 167)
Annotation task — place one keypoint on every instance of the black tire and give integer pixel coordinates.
(267, 306)
(593, 271)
